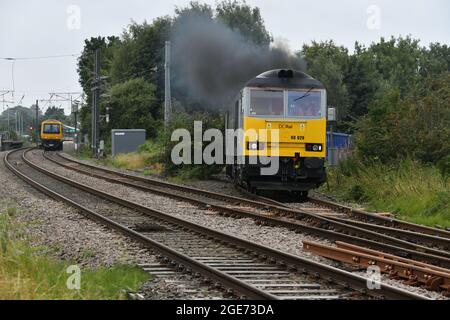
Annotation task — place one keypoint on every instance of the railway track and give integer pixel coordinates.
(267, 211)
(244, 268)
(412, 272)
(338, 209)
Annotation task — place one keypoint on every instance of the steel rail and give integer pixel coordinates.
(267, 201)
(351, 247)
(413, 236)
(430, 278)
(389, 244)
(211, 273)
(326, 272)
(394, 223)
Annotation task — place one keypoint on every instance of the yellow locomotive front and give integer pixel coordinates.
(283, 116)
(52, 135)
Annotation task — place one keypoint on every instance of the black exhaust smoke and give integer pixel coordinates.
(211, 62)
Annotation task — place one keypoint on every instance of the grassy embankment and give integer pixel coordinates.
(145, 159)
(150, 159)
(29, 273)
(411, 191)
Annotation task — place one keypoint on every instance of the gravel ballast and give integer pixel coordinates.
(68, 235)
(274, 237)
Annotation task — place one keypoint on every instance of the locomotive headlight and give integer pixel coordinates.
(255, 146)
(315, 147)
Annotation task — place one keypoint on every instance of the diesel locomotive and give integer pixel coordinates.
(295, 105)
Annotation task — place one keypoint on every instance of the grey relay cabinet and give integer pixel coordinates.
(126, 140)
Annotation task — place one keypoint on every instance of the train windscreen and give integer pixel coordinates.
(52, 128)
(305, 104)
(266, 103)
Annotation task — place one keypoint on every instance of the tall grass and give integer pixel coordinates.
(410, 190)
(148, 158)
(131, 161)
(28, 274)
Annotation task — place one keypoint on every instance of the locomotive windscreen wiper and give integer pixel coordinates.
(305, 95)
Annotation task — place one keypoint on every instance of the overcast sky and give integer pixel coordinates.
(37, 28)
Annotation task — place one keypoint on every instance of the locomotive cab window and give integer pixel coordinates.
(52, 128)
(305, 103)
(266, 103)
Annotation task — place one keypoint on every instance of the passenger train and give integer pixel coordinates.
(294, 104)
(52, 136)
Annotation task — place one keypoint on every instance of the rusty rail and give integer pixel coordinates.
(351, 247)
(263, 202)
(428, 276)
(323, 226)
(326, 272)
(387, 221)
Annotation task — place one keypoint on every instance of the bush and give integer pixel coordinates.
(84, 151)
(133, 105)
(444, 166)
(417, 126)
(188, 171)
(409, 189)
(154, 156)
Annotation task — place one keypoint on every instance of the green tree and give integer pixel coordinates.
(397, 61)
(328, 63)
(27, 116)
(55, 113)
(194, 9)
(141, 54)
(246, 20)
(416, 126)
(132, 106)
(362, 81)
(435, 60)
(85, 69)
